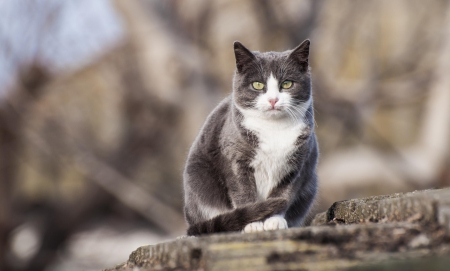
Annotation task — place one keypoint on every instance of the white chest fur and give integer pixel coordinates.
(276, 143)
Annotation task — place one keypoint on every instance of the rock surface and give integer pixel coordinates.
(395, 232)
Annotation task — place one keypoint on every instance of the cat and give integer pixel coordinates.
(252, 167)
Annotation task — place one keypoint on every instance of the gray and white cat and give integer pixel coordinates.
(253, 165)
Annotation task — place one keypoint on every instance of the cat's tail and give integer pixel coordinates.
(237, 219)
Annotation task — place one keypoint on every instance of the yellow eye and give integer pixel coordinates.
(286, 84)
(258, 85)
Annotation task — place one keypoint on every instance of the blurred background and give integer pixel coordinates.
(100, 101)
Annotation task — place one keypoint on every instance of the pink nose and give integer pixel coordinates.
(273, 102)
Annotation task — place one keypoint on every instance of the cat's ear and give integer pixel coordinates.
(301, 54)
(243, 56)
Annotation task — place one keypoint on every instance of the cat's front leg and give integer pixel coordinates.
(276, 222)
(242, 188)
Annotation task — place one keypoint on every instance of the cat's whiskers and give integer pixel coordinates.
(295, 114)
(300, 114)
(300, 109)
(299, 101)
(292, 115)
(304, 111)
(307, 112)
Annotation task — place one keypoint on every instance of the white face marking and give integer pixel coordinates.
(277, 132)
(281, 101)
(273, 91)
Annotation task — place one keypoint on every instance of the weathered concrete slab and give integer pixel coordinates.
(410, 227)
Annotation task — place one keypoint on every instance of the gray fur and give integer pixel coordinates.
(219, 181)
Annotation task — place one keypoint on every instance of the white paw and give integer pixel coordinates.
(275, 223)
(254, 227)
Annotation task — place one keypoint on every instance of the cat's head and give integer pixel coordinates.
(272, 84)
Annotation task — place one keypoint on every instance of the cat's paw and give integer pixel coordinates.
(254, 227)
(275, 223)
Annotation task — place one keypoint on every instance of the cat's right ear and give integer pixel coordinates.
(301, 54)
(243, 56)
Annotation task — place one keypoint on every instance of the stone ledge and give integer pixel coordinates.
(410, 226)
(429, 206)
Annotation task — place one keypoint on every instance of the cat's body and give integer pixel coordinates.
(252, 166)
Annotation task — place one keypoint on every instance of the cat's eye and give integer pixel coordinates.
(258, 85)
(286, 84)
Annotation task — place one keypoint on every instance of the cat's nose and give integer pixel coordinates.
(273, 102)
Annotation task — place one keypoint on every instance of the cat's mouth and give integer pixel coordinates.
(274, 112)
(274, 109)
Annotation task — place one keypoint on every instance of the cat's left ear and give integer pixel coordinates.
(243, 56)
(301, 54)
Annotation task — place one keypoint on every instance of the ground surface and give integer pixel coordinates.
(394, 232)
